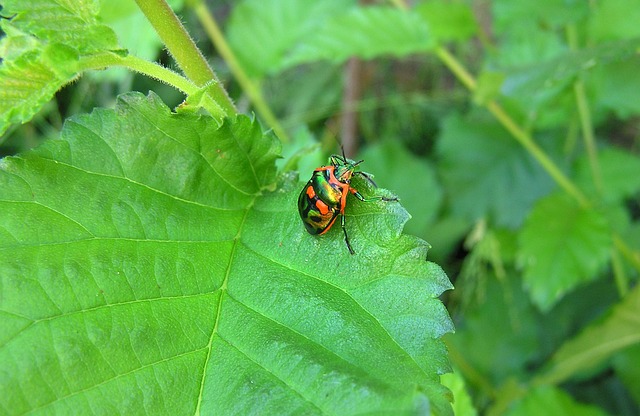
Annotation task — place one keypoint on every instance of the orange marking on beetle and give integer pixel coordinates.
(311, 193)
(322, 207)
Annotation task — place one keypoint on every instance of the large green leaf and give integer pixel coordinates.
(487, 173)
(263, 33)
(365, 32)
(561, 246)
(619, 330)
(147, 266)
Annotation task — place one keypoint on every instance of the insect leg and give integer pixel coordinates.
(346, 237)
(372, 198)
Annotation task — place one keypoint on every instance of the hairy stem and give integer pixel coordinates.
(150, 69)
(184, 50)
(250, 87)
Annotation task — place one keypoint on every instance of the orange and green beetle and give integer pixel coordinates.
(324, 197)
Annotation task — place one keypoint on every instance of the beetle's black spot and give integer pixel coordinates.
(314, 218)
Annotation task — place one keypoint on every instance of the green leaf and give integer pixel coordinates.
(487, 173)
(411, 178)
(618, 170)
(70, 22)
(501, 328)
(365, 32)
(262, 33)
(448, 21)
(551, 401)
(462, 404)
(560, 247)
(615, 20)
(147, 267)
(618, 331)
(30, 80)
(616, 87)
(42, 50)
(628, 371)
(555, 13)
(542, 80)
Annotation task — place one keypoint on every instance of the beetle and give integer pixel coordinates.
(324, 197)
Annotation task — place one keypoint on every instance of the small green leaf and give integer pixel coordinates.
(45, 40)
(448, 21)
(619, 330)
(30, 80)
(146, 267)
(619, 172)
(70, 22)
(551, 401)
(365, 32)
(487, 172)
(560, 247)
(462, 404)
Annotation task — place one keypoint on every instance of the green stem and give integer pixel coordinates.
(150, 69)
(619, 274)
(184, 50)
(512, 127)
(527, 142)
(584, 113)
(248, 85)
(631, 256)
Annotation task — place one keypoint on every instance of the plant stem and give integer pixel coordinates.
(527, 142)
(512, 127)
(248, 85)
(184, 50)
(584, 113)
(150, 69)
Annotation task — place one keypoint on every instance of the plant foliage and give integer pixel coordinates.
(152, 258)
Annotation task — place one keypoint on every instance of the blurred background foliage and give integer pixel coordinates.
(546, 304)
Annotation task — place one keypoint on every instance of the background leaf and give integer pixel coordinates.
(41, 52)
(365, 32)
(146, 266)
(551, 401)
(561, 246)
(598, 342)
(262, 34)
(448, 20)
(395, 165)
(488, 173)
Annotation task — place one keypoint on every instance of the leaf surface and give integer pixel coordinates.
(490, 174)
(365, 32)
(149, 264)
(42, 50)
(561, 246)
(618, 331)
(263, 33)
